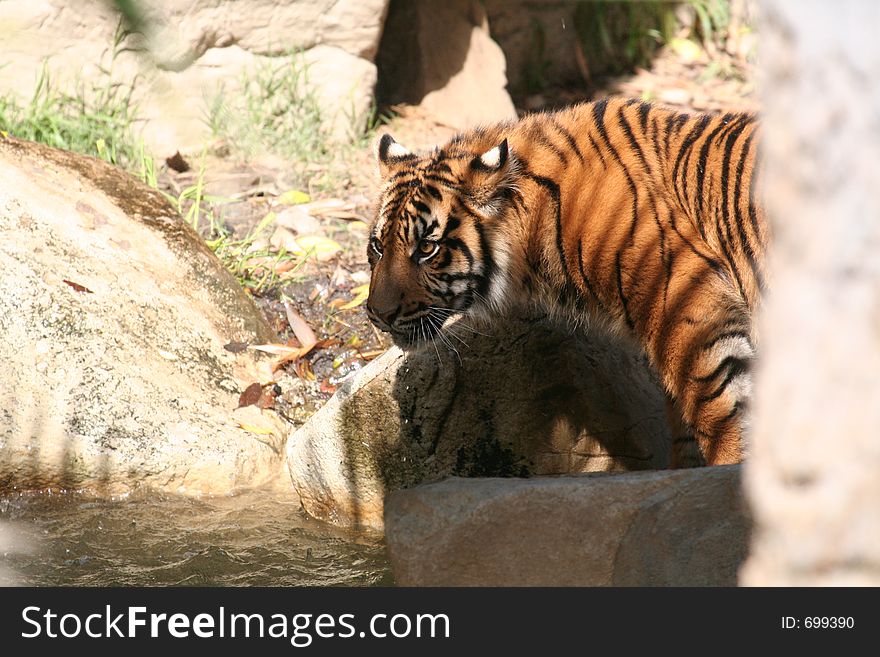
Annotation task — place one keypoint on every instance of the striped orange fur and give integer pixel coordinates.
(643, 216)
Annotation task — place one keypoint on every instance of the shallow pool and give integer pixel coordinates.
(255, 538)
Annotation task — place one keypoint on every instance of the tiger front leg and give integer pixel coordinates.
(714, 391)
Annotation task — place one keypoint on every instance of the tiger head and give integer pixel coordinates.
(436, 248)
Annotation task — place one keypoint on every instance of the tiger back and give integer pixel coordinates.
(641, 217)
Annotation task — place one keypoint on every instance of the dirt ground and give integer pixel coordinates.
(327, 290)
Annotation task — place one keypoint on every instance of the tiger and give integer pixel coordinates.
(645, 217)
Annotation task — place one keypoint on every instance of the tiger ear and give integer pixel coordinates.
(491, 176)
(492, 160)
(389, 154)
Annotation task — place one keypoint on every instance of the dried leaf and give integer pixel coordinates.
(177, 163)
(254, 429)
(236, 347)
(361, 292)
(294, 197)
(267, 398)
(300, 327)
(373, 353)
(77, 286)
(251, 395)
(276, 349)
(322, 248)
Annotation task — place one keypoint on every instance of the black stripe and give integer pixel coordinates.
(583, 273)
(453, 243)
(644, 110)
(714, 264)
(553, 189)
(568, 137)
(726, 362)
(701, 170)
(655, 138)
(433, 191)
(537, 133)
(740, 166)
(484, 281)
(737, 407)
(744, 242)
(444, 182)
(599, 116)
(598, 150)
(736, 367)
(727, 334)
(420, 207)
(694, 134)
(620, 293)
(621, 119)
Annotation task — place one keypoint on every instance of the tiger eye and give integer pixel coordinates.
(426, 248)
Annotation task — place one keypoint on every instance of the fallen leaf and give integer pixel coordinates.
(300, 327)
(236, 347)
(276, 349)
(320, 247)
(251, 395)
(361, 292)
(254, 429)
(373, 353)
(267, 398)
(294, 197)
(77, 286)
(177, 163)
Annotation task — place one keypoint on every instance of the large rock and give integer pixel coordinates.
(190, 52)
(672, 528)
(540, 42)
(527, 399)
(439, 55)
(114, 314)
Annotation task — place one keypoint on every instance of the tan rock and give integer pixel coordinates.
(440, 56)
(527, 398)
(191, 52)
(114, 315)
(671, 528)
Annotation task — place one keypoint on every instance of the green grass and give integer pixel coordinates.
(256, 267)
(278, 112)
(275, 111)
(91, 120)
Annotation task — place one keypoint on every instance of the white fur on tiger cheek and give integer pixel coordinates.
(498, 299)
(491, 158)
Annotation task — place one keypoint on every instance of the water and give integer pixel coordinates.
(256, 538)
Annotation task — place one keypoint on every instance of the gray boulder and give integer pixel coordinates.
(527, 398)
(114, 315)
(672, 528)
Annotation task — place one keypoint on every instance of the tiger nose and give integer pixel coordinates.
(386, 312)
